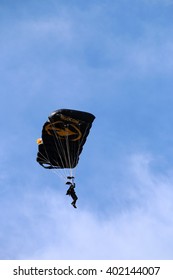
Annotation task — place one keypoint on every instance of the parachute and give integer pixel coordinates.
(63, 137)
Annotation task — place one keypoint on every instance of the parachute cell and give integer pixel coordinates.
(63, 138)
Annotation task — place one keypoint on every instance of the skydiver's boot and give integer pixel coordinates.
(74, 205)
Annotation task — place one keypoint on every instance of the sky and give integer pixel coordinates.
(113, 59)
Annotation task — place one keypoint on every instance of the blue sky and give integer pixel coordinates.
(115, 60)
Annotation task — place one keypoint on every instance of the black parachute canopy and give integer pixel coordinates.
(63, 137)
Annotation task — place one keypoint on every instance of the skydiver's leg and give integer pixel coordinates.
(75, 198)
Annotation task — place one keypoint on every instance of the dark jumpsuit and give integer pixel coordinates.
(72, 193)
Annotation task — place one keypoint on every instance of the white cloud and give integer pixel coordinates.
(54, 230)
(59, 28)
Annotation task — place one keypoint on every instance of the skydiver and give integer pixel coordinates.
(72, 193)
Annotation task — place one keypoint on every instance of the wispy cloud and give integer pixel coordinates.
(57, 231)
